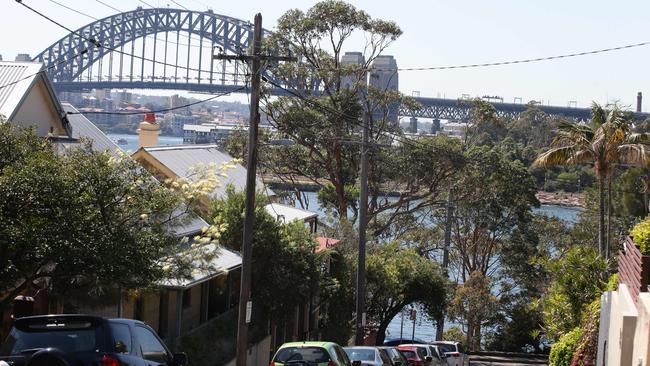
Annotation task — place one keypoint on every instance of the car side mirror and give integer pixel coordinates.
(428, 358)
(180, 359)
(356, 363)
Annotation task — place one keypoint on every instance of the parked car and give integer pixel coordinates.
(455, 352)
(431, 351)
(84, 340)
(396, 357)
(394, 342)
(415, 356)
(368, 356)
(311, 354)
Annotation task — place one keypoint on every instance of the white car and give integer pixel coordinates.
(456, 355)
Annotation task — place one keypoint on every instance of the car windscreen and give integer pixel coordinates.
(360, 354)
(67, 337)
(302, 355)
(408, 354)
(443, 347)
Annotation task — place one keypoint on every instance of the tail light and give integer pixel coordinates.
(331, 363)
(453, 354)
(109, 361)
(272, 363)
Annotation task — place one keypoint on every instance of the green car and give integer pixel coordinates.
(312, 354)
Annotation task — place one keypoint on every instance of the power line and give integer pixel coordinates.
(84, 51)
(99, 45)
(350, 118)
(523, 61)
(109, 6)
(166, 109)
(73, 9)
(175, 2)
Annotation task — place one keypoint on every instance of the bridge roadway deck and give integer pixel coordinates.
(432, 108)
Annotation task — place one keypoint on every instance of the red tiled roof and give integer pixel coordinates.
(326, 243)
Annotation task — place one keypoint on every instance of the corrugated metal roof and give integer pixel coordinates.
(225, 260)
(288, 214)
(84, 128)
(179, 159)
(18, 77)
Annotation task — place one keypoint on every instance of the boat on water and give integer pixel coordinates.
(122, 141)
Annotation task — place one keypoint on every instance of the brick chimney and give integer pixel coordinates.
(148, 131)
(639, 100)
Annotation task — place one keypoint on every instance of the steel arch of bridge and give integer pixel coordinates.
(71, 69)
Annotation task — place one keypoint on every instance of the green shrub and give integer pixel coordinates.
(562, 350)
(641, 235)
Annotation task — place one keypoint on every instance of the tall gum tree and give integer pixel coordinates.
(325, 113)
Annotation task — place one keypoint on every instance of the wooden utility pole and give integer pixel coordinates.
(363, 220)
(245, 303)
(440, 323)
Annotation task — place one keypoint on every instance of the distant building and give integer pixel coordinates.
(177, 121)
(454, 129)
(212, 133)
(23, 57)
(353, 58)
(384, 76)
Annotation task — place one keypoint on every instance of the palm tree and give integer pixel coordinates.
(606, 142)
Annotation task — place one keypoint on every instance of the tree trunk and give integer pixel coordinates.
(608, 247)
(601, 214)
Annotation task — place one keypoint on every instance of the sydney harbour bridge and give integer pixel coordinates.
(172, 49)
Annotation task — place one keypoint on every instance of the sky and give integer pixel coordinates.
(440, 33)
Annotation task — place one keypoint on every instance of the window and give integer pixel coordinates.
(356, 354)
(307, 354)
(341, 356)
(72, 339)
(187, 298)
(150, 346)
(385, 359)
(121, 337)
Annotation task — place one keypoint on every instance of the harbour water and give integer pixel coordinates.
(424, 328)
(132, 141)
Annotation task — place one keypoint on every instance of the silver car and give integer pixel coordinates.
(369, 356)
(454, 350)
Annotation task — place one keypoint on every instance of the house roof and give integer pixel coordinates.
(287, 214)
(179, 159)
(82, 128)
(18, 78)
(224, 261)
(326, 243)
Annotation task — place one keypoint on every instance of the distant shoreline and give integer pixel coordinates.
(565, 199)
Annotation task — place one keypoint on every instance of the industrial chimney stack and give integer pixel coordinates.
(639, 99)
(148, 131)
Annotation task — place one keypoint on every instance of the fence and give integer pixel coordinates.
(633, 269)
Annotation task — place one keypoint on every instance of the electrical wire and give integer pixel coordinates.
(163, 110)
(168, 42)
(99, 45)
(350, 118)
(175, 2)
(84, 51)
(109, 6)
(523, 61)
(73, 9)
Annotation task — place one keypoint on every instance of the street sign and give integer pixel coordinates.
(249, 311)
(414, 314)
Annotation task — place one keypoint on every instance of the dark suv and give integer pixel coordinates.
(83, 340)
